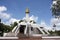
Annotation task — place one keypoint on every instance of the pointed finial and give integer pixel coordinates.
(27, 11)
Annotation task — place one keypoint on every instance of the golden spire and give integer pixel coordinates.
(27, 11)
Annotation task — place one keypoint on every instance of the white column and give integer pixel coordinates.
(27, 17)
(29, 29)
(41, 30)
(46, 31)
(25, 32)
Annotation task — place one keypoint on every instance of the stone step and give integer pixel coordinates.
(24, 37)
(31, 38)
(9, 39)
(20, 35)
(10, 34)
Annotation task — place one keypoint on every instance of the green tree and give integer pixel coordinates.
(4, 28)
(32, 21)
(21, 21)
(0, 20)
(56, 9)
(14, 24)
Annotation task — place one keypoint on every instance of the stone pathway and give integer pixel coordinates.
(30, 38)
(51, 39)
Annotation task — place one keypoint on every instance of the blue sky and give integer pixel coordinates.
(39, 8)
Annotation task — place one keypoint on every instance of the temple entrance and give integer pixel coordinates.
(22, 28)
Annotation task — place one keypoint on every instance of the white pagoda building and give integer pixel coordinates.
(27, 27)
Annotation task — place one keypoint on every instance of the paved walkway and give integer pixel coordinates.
(51, 39)
(30, 38)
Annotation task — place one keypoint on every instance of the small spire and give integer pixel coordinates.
(27, 11)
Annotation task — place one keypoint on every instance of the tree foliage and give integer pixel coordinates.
(32, 21)
(0, 20)
(4, 28)
(55, 33)
(21, 21)
(14, 24)
(56, 9)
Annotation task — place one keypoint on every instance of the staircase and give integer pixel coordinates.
(20, 35)
(31, 38)
(24, 37)
(10, 34)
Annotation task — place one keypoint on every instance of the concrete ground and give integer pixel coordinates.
(31, 38)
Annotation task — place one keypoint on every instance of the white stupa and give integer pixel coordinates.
(27, 27)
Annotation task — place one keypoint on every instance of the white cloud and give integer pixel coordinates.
(54, 2)
(58, 24)
(4, 15)
(24, 18)
(54, 21)
(3, 8)
(33, 18)
(43, 24)
(12, 20)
